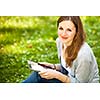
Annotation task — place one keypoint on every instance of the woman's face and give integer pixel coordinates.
(66, 32)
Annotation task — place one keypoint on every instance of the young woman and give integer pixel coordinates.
(77, 61)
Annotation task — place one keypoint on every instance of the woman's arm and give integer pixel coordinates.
(51, 74)
(57, 67)
(82, 72)
(62, 77)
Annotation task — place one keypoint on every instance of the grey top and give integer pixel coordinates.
(84, 68)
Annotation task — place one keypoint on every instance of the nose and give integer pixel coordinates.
(64, 32)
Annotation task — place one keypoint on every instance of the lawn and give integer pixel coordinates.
(25, 38)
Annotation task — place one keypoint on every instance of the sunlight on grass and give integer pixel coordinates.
(25, 38)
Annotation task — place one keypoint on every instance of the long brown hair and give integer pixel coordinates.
(71, 51)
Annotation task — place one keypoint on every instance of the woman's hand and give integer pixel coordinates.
(49, 74)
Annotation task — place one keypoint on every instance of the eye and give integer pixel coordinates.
(60, 28)
(69, 29)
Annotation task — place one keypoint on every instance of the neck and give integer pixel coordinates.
(68, 44)
(65, 46)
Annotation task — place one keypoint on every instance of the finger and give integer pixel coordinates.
(42, 72)
(44, 76)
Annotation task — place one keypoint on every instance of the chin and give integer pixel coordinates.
(64, 41)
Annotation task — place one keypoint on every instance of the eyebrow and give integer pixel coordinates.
(66, 28)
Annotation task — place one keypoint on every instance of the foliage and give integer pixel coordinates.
(25, 38)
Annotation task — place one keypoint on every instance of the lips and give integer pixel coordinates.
(63, 37)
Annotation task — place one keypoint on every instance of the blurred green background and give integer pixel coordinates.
(25, 38)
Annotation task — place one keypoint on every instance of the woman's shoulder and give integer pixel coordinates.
(57, 40)
(58, 43)
(85, 52)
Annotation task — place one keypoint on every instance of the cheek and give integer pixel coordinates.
(59, 32)
(72, 36)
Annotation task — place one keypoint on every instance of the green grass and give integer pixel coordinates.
(25, 38)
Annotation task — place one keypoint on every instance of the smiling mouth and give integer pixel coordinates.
(64, 37)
